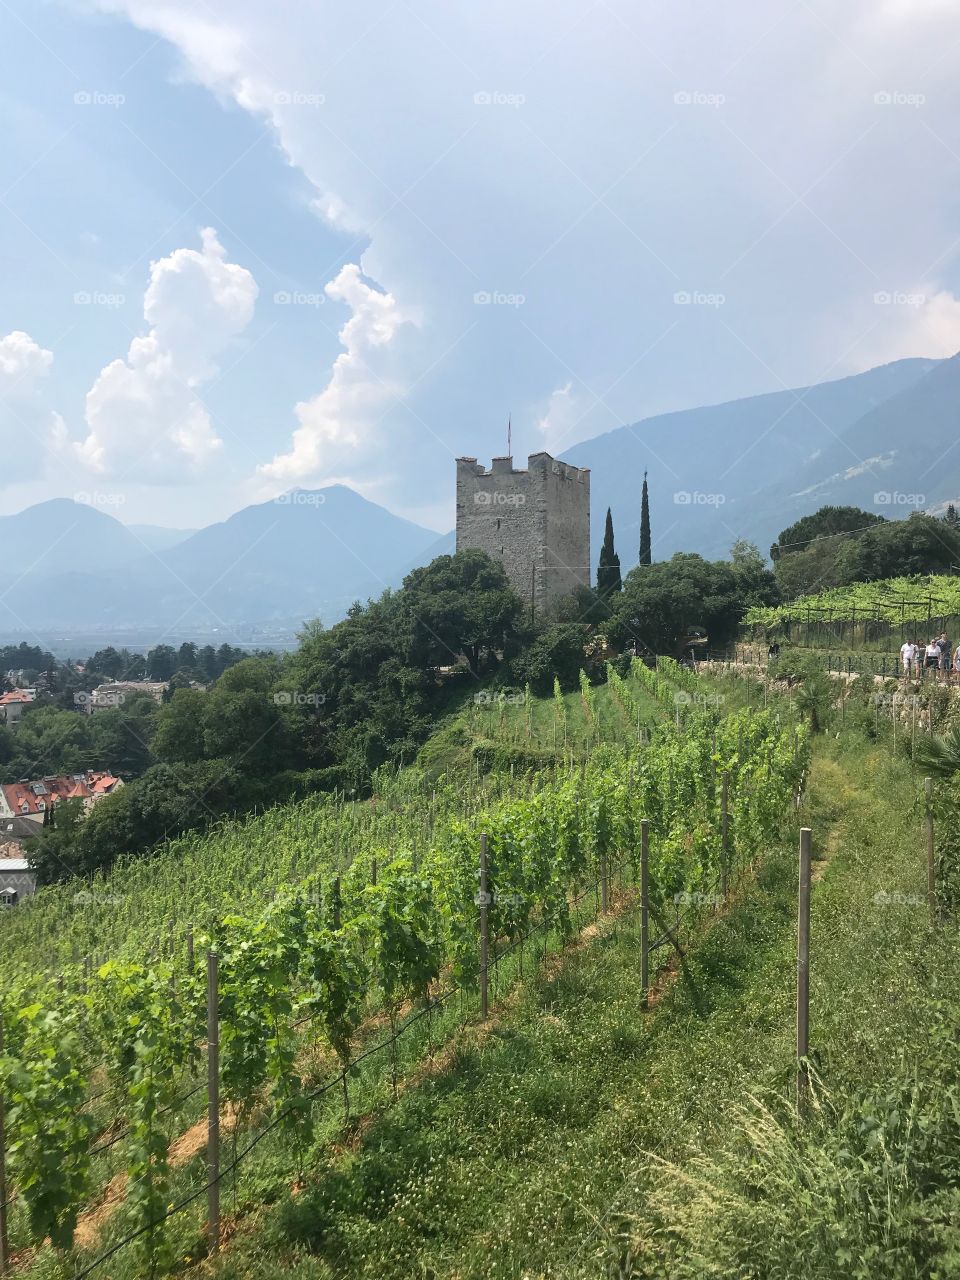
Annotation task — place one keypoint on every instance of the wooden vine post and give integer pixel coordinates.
(724, 829)
(4, 1245)
(484, 902)
(803, 971)
(337, 901)
(213, 1105)
(644, 909)
(931, 849)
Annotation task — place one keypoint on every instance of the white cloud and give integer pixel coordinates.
(144, 419)
(561, 418)
(332, 210)
(27, 424)
(22, 362)
(781, 197)
(914, 323)
(336, 425)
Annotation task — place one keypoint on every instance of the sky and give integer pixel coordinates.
(248, 247)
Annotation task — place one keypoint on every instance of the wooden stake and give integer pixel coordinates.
(724, 827)
(213, 1106)
(803, 971)
(644, 909)
(931, 851)
(484, 898)
(4, 1243)
(190, 948)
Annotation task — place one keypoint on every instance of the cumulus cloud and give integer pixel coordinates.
(795, 165)
(22, 362)
(27, 425)
(144, 418)
(344, 416)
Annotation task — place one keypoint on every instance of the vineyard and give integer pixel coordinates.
(149, 905)
(357, 951)
(617, 711)
(865, 611)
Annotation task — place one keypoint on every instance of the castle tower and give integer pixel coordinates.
(536, 523)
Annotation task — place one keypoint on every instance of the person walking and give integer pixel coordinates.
(956, 659)
(945, 652)
(932, 656)
(906, 657)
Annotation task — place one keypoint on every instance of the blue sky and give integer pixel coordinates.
(346, 242)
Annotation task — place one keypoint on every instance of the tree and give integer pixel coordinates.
(608, 570)
(48, 740)
(120, 736)
(557, 652)
(756, 583)
(106, 662)
(645, 546)
(162, 662)
(919, 545)
(244, 720)
(828, 522)
(951, 517)
(459, 604)
(187, 656)
(179, 733)
(662, 604)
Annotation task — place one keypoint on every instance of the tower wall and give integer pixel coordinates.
(535, 522)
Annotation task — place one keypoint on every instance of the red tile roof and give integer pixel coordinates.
(24, 797)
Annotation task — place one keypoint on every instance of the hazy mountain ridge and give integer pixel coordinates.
(886, 439)
(308, 554)
(732, 470)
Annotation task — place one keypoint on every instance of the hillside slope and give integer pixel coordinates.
(735, 462)
(569, 1141)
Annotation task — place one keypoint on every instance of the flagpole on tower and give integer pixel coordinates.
(510, 436)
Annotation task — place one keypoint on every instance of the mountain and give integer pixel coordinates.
(303, 555)
(307, 553)
(886, 439)
(51, 537)
(154, 537)
(731, 470)
(901, 456)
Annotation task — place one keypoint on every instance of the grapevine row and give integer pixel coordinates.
(322, 948)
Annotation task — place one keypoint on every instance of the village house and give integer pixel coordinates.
(31, 800)
(116, 692)
(12, 705)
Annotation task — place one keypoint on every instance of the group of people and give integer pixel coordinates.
(934, 656)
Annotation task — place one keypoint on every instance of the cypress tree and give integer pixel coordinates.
(608, 570)
(645, 557)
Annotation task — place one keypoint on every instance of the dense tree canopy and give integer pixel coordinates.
(827, 522)
(839, 545)
(662, 603)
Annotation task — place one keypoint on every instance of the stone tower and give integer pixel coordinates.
(536, 523)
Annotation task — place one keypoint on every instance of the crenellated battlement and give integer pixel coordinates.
(535, 521)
